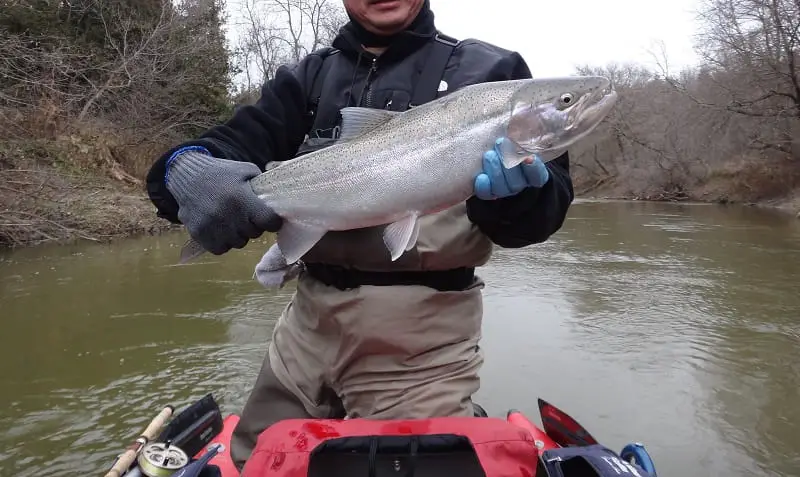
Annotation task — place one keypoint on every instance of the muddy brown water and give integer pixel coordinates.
(674, 325)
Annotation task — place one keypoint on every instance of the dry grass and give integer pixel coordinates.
(752, 182)
(83, 183)
(774, 183)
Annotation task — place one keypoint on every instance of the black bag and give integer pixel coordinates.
(587, 461)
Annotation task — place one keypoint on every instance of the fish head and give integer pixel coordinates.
(550, 115)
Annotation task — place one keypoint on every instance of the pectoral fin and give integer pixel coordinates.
(401, 236)
(514, 155)
(295, 239)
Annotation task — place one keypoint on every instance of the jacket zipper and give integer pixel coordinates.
(368, 81)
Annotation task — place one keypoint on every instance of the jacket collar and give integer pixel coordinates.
(352, 36)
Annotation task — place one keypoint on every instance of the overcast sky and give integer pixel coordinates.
(556, 35)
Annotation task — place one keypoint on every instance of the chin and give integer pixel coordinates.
(393, 21)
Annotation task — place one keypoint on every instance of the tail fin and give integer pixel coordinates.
(191, 250)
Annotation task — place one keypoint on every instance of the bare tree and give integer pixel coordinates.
(276, 32)
(734, 119)
(751, 55)
(134, 58)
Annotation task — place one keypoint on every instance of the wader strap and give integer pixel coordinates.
(316, 87)
(427, 87)
(314, 140)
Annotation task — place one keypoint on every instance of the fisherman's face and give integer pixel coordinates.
(384, 17)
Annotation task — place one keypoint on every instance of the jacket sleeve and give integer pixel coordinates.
(272, 129)
(533, 215)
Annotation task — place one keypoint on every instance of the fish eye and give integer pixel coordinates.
(567, 98)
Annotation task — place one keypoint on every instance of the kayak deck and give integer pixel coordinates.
(463, 463)
(477, 446)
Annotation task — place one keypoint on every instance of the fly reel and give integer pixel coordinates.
(160, 459)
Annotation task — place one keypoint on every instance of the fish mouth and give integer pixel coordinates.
(591, 108)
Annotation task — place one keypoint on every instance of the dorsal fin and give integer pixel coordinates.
(357, 120)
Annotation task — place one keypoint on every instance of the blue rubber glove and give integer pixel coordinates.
(496, 181)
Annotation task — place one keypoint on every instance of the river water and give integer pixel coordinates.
(674, 325)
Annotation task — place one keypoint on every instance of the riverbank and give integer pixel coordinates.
(789, 204)
(71, 188)
(774, 185)
(76, 188)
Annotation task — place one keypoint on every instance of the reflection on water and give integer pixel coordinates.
(674, 325)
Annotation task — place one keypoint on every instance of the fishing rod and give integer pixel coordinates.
(124, 461)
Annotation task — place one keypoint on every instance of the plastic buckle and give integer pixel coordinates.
(441, 39)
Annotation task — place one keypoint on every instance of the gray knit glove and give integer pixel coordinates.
(216, 203)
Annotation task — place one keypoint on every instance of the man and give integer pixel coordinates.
(364, 335)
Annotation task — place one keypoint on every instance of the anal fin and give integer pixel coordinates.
(295, 239)
(401, 236)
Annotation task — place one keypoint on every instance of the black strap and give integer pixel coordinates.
(316, 86)
(456, 279)
(314, 98)
(427, 86)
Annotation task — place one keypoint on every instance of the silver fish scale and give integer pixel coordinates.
(421, 161)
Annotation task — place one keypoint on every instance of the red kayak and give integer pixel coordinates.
(472, 446)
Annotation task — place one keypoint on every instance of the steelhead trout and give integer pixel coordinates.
(389, 168)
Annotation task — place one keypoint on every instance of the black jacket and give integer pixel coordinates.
(282, 123)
